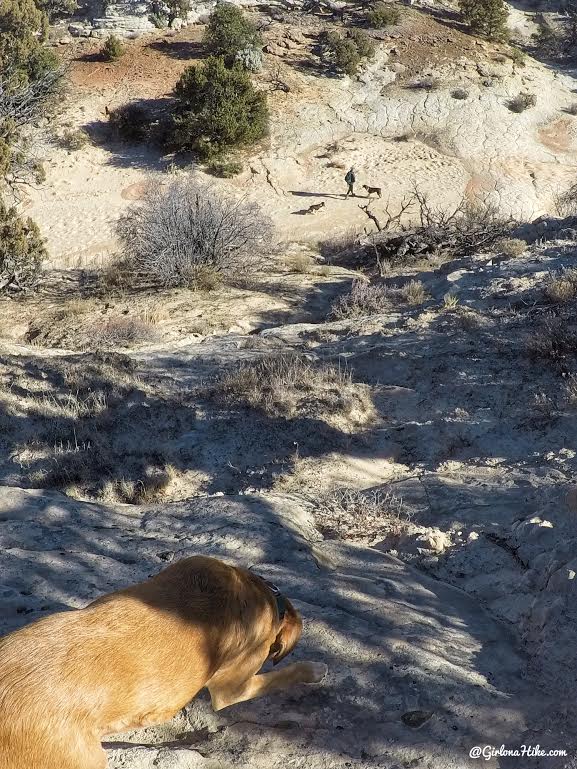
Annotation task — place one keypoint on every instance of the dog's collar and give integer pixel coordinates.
(277, 595)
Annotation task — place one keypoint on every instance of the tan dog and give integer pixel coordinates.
(315, 207)
(137, 656)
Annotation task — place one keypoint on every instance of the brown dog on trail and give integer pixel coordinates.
(135, 657)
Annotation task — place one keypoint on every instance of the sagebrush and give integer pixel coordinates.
(186, 227)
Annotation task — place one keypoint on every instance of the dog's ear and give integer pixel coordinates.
(288, 635)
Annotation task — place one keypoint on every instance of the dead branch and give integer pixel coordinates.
(371, 216)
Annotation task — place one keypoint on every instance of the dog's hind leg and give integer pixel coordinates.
(229, 689)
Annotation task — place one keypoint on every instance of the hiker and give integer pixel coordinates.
(350, 179)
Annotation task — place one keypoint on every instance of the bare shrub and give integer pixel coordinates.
(187, 227)
(460, 94)
(562, 287)
(360, 515)
(522, 102)
(572, 109)
(363, 299)
(511, 246)
(412, 292)
(290, 386)
(566, 202)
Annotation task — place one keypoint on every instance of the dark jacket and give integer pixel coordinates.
(350, 177)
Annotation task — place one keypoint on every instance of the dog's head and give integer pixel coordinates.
(365, 187)
(288, 635)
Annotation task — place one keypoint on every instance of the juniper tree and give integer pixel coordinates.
(487, 18)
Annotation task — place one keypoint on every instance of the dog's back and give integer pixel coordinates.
(93, 666)
(90, 666)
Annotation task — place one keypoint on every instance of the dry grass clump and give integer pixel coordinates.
(89, 426)
(302, 264)
(152, 487)
(360, 515)
(562, 287)
(511, 246)
(554, 341)
(570, 394)
(363, 299)
(121, 331)
(450, 302)
(73, 139)
(522, 102)
(292, 386)
(412, 292)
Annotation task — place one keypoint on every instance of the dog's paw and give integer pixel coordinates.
(315, 672)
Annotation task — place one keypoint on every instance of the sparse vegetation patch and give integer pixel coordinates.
(292, 386)
(83, 427)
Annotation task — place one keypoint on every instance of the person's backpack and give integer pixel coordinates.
(350, 178)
